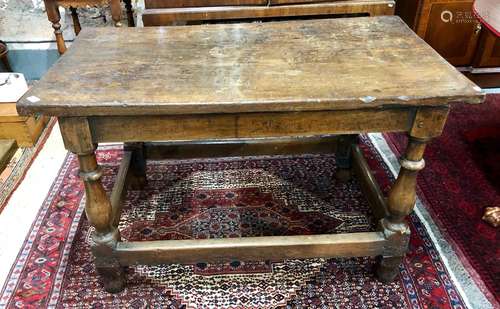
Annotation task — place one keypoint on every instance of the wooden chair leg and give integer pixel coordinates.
(54, 17)
(76, 20)
(343, 156)
(130, 13)
(3, 55)
(401, 201)
(116, 12)
(137, 176)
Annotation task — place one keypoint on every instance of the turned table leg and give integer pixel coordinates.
(137, 176)
(343, 156)
(401, 201)
(99, 213)
(116, 12)
(54, 17)
(428, 123)
(78, 139)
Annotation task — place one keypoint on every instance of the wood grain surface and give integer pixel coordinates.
(158, 4)
(251, 248)
(328, 64)
(247, 13)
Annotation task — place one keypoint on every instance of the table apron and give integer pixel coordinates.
(248, 125)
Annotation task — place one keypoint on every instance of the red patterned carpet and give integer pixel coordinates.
(224, 198)
(462, 177)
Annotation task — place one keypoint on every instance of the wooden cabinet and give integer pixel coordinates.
(160, 4)
(175, 12)
(451, 28)
(488, 51)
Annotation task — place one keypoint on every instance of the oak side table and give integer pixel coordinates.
(291, 82)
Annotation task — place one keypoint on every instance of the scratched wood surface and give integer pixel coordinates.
(328, 64)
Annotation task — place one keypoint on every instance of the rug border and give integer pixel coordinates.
(4, 292)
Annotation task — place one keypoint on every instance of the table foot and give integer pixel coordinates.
(112, 276)
(387, 268)
(137, 183)
(111, 273)
(343, 157)
(137, 177)
(343, 175)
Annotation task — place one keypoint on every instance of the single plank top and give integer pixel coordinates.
(327, 64)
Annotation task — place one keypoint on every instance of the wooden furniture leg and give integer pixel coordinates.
(78, 139)
(401, 201)
(76, 20)
(54, 17)
(3, 55)
(137, 176)
(343, 156)
(130, 13)
(116, 12)
(99, 213)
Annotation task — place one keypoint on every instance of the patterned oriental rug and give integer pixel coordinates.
(14, 173)
(224, 198)
(470, 145)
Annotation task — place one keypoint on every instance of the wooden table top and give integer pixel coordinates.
(328, 64)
